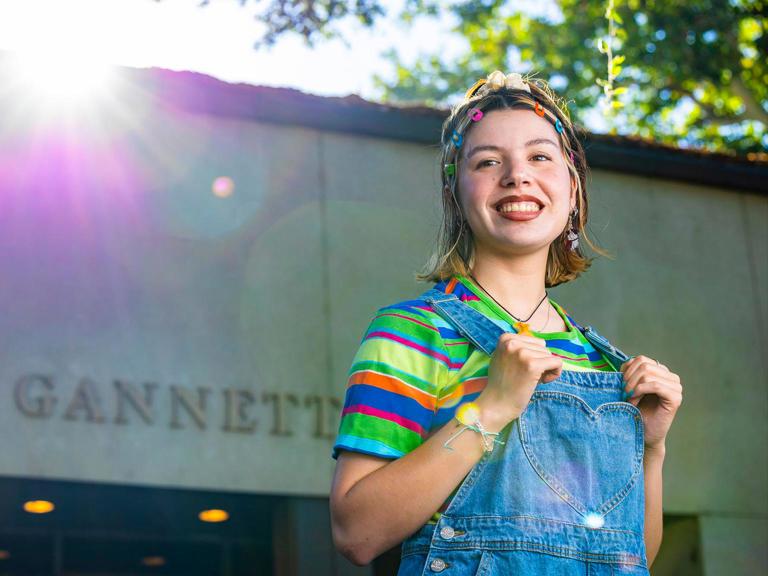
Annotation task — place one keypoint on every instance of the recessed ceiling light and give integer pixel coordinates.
(153, 561)
(213, 515)
(38, 506)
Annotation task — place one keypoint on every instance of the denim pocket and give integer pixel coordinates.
(590, 458)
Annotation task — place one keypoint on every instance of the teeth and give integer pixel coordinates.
(519, 207)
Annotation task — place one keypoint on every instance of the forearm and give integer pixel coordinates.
(395, 500)
(653, 461)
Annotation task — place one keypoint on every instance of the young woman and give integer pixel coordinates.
(483, 427)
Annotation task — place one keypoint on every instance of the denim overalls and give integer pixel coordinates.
(562, 496)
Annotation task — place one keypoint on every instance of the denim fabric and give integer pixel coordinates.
(563, 495)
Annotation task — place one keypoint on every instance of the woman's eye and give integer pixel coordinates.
(544, 156)
(487, 162)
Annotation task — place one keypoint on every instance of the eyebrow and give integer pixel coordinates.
(491, 147)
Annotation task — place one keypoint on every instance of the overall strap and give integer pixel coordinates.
(470, 323)
(484, 334)
(615, 356)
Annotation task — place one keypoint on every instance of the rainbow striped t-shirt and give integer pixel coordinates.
(413, 370)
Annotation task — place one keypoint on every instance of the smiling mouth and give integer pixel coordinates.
(507, 207)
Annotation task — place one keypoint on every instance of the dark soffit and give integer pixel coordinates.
(199, 93)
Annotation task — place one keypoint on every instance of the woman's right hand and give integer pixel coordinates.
(518, 364)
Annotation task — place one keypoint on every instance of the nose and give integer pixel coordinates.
(515, 176)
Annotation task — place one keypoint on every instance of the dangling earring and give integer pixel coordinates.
(572, 237)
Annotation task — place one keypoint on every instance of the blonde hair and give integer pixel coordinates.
(454, 252)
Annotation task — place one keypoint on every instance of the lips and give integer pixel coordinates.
(523, 198)
(519, 208)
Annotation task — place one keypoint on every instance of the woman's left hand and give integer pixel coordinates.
(656, 392)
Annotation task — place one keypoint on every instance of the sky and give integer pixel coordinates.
(217, 39)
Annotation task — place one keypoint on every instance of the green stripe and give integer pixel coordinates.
(385, 431)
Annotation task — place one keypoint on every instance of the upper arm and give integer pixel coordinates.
(351, 467)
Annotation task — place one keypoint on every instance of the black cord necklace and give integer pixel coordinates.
(521, 325)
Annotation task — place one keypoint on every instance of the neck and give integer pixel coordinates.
(516, 283)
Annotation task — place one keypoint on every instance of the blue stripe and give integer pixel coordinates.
(390, 402)
(365, 446)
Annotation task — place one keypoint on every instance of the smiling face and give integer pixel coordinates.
(513, 183)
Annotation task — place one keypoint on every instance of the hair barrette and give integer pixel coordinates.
(558, 126)
(457, 139)
(475, 114)
(450, 169)
(538, 108)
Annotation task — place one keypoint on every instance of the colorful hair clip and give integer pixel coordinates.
(558, 126)
(538, 108)
(474, 88)
(572, 158)
(450, 169)
(476, 114)
(457, 139)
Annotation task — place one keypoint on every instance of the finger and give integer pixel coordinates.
(666, 392)
(550, 368)
(643, 363)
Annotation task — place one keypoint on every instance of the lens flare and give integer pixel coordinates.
(468, 413)
(594, 520)
(223, 186)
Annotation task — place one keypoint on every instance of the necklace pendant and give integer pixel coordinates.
(522, 328)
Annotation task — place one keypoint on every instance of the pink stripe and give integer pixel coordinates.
(391, 416)
(404, 342)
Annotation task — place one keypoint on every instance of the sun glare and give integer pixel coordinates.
(59, 79)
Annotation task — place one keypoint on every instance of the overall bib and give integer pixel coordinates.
(562, 496)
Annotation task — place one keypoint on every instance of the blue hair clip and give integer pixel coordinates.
(457, 139)
(558, 126)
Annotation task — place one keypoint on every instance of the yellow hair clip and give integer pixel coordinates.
(474, 88)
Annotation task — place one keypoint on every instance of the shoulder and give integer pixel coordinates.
(415, 313)
(409, 332)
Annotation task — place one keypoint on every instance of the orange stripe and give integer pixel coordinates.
(451, 285)
(468, 387)
(392, 385)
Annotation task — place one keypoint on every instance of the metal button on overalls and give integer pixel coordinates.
(437, 565)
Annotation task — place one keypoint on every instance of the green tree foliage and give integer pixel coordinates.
(684, 72)
(691, 72)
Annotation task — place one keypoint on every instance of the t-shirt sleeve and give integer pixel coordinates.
(393, 384)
